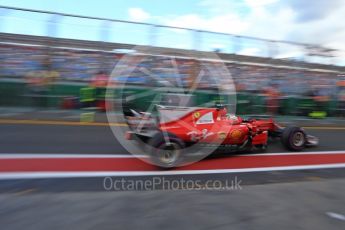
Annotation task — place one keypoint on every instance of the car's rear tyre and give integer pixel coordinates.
(294, 138)
(166, 149)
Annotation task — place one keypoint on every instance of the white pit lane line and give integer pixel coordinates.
(82, 156)
(336, 215)
(60, 156)
(42, 175)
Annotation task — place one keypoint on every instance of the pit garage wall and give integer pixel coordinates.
(14, 92)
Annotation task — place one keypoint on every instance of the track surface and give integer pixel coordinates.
(293, 199)
(47, 139)
(314, 205)
(59, 139)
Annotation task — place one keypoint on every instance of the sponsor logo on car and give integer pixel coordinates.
(236, 134)
(196, 115)
(222, 135)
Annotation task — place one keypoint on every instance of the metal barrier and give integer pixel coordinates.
(14, 93)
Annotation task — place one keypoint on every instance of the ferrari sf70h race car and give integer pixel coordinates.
(177, 128)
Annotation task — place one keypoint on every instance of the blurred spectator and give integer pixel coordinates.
(99, 84)
(100, 80)
(341, 98)
(272, 99)
(39, 82)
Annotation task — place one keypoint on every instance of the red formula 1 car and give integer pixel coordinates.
(178, 128)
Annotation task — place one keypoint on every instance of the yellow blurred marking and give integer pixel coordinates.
(313, 178)
(24, 192)
(325, 128)
(77, 123)
(87, 117)
(71, 123)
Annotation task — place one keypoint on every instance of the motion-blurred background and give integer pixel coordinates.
(58, 60)
(278, 57)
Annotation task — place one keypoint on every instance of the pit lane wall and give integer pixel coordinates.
(73, 95)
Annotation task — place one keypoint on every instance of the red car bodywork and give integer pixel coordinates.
(178, 127)
(219, 128)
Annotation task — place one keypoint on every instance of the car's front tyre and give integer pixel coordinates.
(294, 138)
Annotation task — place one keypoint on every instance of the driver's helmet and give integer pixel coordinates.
(222, 112)
(234, 119)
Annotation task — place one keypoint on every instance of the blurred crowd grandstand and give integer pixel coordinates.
(29, 59)
(253, 75)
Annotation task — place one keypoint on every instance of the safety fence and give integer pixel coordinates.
(65, 95)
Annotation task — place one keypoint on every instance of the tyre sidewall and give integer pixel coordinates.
(288, 141)
(158, 140)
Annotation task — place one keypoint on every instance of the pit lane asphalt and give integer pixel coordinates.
(303, 199)
(300, 205)
(65, 139)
